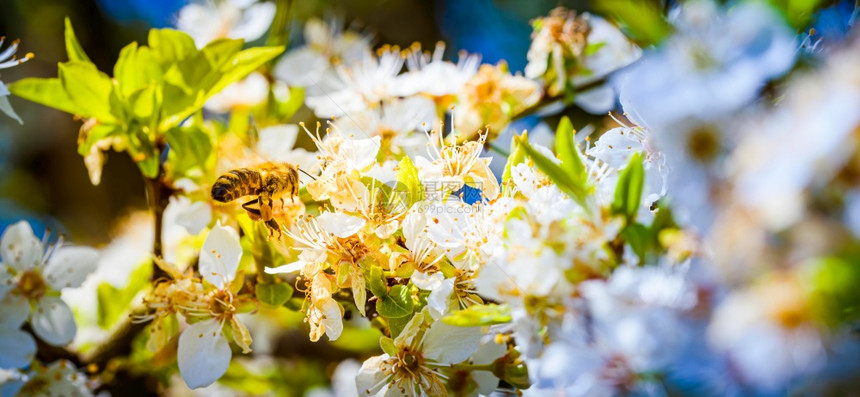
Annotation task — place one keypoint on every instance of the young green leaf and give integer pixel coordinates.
(73, 47)
(92, 136)
(113, 301)
(283, 107)
(135, 69)
(565, 147)
(479, 315)
(143, 152)
(643, 20)
(407, 178)
(576, 190)
(242, 64)
(221, 51)
(397, 324)
(273, 294)
(640, 238)
(398, 303)
(190, 148)
(628, 190)
(517, 156)
(89, 89)
(48, 92)
(375, 281)
(171, 46)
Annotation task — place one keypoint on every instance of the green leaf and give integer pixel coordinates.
(643, 20)
(195, 80)
(190, 148)
(171, 45)
(201, 71)
(628, 190)
(567, 152)
(517, 156)
(144, 104)
(89, 89)
(397, 324)
(274, 294)
(243, 64)
(73, 47)
(295, 304)
(479, 315)
(342, 272)
(113, 302)
(143, 152)
(640, 239)
(387, 346)
(283, 107)
(358, 340)
(407, 178)
(835, 296)
(398, 302)
(576, 190)
(95, 134)
(375, 281)
(136, 69)
(797, 12)
(221, 51)
(48, 92)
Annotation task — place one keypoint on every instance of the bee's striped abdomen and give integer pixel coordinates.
(236, 183)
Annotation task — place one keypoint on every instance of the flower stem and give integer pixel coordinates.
(157, 196)
(280, 32)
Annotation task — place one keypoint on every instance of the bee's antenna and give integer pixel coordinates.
(306, 173)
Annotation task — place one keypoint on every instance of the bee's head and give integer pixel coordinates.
(221, 192)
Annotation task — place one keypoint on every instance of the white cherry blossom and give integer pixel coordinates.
(33, 275)
(208, 20)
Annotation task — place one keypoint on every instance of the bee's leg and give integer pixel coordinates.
(273, 226)
(253, 209)
(266, 206)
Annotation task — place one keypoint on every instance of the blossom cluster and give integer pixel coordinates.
(698, 239)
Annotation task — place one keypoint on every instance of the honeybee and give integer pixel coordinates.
(268, 182)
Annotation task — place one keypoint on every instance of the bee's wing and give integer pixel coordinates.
(239, 152)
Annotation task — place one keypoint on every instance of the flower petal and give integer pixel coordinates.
(17, 348)
(70, 266)
(53, 321)
(19, 247)
(449, 344)
(203, 354)
(371, 376)
(276, 142)
(288, 268)
(255, 21)
(332, 319)
(220, 255)
(427, 282)
(14, 310)
(194, 216)
(437, 302)
(386, 229)
(340, 224)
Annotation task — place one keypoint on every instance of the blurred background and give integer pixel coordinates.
(43, 179)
